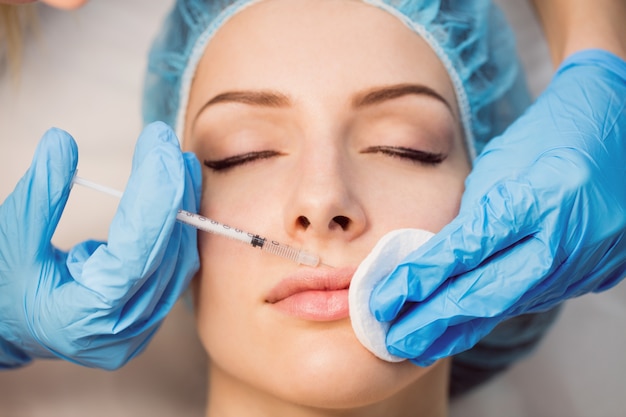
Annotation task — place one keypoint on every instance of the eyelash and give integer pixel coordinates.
(413, 155)
(237, 160)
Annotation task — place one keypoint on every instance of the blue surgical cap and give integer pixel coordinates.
(470, 37)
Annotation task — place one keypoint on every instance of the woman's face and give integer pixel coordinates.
(323, 125)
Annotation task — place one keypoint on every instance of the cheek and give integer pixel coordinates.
(229, 280)
(223, 296)
(424, 201)
(209, 289)
(239, 198)
(437, 198)
(437, 208)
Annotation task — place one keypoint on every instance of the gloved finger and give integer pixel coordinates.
(30, 214)
(502, 218)
(182, 261)
(469, 301)
(194, 172)
(147, 307)
(182, 253)
(456, 339)
(141, 228)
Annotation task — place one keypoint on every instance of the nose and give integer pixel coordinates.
(323, 202)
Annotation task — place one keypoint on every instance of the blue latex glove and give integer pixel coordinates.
(99, 304)
(543, 219)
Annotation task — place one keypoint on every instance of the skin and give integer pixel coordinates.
(59, 4)
(574, 25)
(323, 183)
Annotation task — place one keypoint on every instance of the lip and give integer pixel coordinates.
(313, 294)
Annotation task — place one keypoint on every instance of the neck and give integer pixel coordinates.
(426, 397)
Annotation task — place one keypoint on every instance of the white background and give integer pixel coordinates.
(83, 72)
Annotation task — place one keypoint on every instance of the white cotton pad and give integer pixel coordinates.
(390, 250)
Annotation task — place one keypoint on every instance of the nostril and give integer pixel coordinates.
(342, 221)
(304, 222)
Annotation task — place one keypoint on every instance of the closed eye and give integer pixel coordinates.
(413, 155)
(238, 160)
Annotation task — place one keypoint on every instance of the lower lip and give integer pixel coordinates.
(316, 305)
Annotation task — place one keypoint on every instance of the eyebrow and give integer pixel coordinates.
(274, 99)
(260, 98)
(381, 94)
(255, 98)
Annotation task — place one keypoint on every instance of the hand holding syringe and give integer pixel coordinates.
(211, 226)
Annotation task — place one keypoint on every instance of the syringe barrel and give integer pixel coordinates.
(270, 246)
(212, 226)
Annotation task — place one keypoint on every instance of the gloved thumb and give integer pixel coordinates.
(143, 225)
(30, 214)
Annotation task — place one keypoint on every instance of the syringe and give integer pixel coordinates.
(212, 226)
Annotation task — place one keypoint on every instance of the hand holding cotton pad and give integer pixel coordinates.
(390, 250)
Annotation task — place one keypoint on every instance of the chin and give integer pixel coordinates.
(332, 370)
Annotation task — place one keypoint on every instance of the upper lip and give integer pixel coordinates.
(311, 280)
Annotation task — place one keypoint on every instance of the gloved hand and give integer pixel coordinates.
(542, 220)
(99, 304)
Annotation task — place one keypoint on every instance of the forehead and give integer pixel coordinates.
(315, 48)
